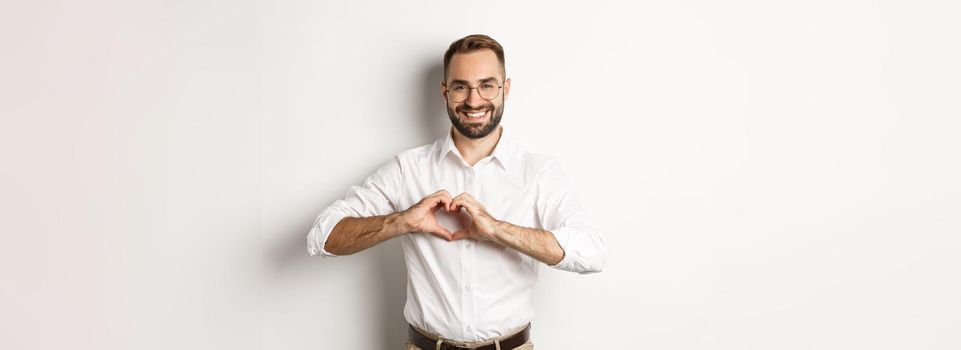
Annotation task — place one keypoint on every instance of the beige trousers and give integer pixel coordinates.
(526, 346)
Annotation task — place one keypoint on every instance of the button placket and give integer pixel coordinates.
(469, 284)
(467, 272)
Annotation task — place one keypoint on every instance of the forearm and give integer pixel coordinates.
(353, 234)
(538, 244)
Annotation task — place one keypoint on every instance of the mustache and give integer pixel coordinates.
(469, 110)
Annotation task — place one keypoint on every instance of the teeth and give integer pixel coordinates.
(476, 115)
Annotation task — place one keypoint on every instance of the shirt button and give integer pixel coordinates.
(468, 328)
(467, 286)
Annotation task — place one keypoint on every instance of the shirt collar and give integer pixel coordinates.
(503, 151)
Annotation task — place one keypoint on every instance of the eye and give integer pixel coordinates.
(458, 88)
(488, 86)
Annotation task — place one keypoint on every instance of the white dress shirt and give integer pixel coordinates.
(465, 289)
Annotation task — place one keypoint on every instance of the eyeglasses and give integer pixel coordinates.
(459, 92)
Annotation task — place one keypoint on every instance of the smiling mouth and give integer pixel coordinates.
(475, 116)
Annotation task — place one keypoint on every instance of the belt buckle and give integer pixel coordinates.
(448, 346)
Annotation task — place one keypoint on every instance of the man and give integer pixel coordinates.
(470, 288)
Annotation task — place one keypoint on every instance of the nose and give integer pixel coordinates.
(474, 99)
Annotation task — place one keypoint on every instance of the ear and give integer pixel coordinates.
(507, 88)
(443, 90)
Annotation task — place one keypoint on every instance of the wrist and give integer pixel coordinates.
(396, 224)
(501, 232)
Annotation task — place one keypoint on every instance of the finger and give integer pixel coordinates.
(444, 197)
(427, 202)
(442, 236)
(460, 235)
(443, 193)
(432, 204)
(439, 193)
(439, 199)
(442, 233)
(447, 235)
(447, 200)
(466, 196)
(443, 230)
(462, 203)
(472, 205)
(457, 204)
(435, 195)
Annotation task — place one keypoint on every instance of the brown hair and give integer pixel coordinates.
(473, 43)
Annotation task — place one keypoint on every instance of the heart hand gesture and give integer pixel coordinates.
(422, 217)
(476, 222)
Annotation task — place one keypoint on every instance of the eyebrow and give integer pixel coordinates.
(465, 82)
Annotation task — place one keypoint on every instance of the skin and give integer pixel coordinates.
(353, 234)
(473, 67)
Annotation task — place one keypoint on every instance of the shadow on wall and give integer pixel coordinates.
(433, 109)
(391, 280)
(390, 255)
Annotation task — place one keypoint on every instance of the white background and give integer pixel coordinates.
(767, 174)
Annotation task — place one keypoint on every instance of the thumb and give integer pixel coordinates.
(461, 234)
(443, 232)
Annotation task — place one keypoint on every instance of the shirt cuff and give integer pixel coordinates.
(581, 260)
(563, 237)
(317, 238)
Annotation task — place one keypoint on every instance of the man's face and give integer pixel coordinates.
(472, 69)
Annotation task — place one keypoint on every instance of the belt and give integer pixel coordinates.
(426, 343)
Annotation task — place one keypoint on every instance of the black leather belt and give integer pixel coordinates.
(426, 343)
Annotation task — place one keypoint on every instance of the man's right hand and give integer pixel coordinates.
(421, 217)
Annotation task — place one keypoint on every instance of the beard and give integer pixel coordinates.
(475, 130)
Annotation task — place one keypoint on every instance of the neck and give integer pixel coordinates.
(473, 150)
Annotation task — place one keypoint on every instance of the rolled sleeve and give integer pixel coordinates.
(373, 198)
(323, 225)
(562, 215)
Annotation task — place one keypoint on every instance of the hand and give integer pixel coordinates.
(477, 223)
(421, 217)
